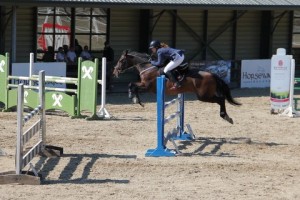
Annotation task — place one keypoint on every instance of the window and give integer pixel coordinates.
(55, 25)
(91, 27)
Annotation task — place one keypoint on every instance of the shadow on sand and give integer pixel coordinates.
(46, 165)
(210, 146)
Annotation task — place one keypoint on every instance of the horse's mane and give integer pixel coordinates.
(140, 55)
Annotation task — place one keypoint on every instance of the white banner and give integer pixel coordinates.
(51, 69)
(255, 73)
(280, 79)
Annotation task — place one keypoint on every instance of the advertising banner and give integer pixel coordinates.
(255, 73)
(280, 79)
(222, 68)
(51, 69)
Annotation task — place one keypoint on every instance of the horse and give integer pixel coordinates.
(207, 86)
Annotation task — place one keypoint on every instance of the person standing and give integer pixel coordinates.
(49, 55)
(78, 48)
(108, 53)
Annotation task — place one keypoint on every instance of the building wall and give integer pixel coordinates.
(188, 40)
(220, 33)
(281, 33)
(124, 32)
(25, 33)
(162, 29)
(248, 36)
(220, 30)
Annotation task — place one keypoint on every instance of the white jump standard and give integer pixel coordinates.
(23, 158)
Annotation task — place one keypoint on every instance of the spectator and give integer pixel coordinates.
(61, 56)
(78, 48)
(49, 55)
(66, 48)
(108, 53)
(71, 56)
(85, 54)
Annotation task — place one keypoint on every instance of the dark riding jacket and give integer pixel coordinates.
(166, 54)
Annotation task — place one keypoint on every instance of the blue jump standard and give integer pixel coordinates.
(161, 150)
(184, 137)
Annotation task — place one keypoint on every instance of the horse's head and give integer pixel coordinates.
(123, 63)
(130, 59)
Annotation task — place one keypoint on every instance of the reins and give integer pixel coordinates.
(147, 69)
(136, 65)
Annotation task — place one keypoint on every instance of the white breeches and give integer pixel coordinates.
(174, 63)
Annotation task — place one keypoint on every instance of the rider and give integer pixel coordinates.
(165, 53)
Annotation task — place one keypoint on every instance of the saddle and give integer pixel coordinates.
(179, 71)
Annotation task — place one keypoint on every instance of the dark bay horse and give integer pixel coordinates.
(207, 86)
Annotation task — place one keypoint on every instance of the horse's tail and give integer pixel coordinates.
(224, 90)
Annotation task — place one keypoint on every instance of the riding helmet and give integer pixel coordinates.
(154, 44)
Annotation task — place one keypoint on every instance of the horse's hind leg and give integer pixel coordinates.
(223, 113)
(221, 102)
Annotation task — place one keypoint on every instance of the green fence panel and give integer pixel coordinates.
(31, 98)
(4, 63)
(60, 101)
(87, 90)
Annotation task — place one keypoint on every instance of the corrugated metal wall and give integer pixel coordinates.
(185, 39)
(25, 34)
(124, 30)
(248, 36)
(195, 20)
(163, 29)
(281, 33)
(124, 34)
(222, 45)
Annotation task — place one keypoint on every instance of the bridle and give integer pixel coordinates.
(126, 63)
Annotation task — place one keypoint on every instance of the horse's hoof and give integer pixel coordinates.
(230, 121)
(134, 100)
(227, 118)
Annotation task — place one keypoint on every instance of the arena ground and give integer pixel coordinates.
(256, 158)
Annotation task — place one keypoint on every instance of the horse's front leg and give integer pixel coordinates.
(133, 91)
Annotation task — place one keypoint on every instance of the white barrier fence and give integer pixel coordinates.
(23, 158)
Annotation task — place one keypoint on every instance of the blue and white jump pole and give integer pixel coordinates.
(161, 149)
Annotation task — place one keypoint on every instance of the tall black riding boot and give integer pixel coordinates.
(174, 79)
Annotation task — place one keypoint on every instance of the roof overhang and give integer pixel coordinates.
(165, 4)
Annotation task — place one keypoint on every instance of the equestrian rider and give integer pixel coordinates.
(164, 53)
